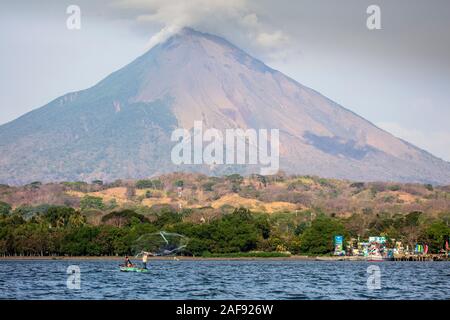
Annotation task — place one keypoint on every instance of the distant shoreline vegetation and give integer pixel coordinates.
(223, 217)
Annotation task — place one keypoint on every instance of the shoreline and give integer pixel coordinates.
(187, 258)
(168, 258)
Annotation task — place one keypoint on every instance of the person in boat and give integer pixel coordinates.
(144, 260)
(128, 262)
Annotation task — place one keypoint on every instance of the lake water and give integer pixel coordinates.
(225, 280)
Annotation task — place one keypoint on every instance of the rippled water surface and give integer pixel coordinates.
(225, 280)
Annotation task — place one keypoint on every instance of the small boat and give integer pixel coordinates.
(133, 269)
(375, 258)
(375, 252)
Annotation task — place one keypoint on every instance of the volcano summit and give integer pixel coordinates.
(121, 128)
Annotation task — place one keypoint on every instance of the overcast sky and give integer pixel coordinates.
(397, 77)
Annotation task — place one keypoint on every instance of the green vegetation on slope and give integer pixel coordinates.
(65, 231)
(222, 216)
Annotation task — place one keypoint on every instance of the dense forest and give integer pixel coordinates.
(53, 230)
(267, 216)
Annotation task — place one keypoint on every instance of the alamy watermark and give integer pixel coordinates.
(374, 20)
(73, 22)
(374, 277)
(232, 147)
(74, 279)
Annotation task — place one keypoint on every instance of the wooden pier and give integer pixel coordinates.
(420, 257)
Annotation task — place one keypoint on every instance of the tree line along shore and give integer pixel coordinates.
(272, 217)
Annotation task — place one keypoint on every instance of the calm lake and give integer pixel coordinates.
(225, 280)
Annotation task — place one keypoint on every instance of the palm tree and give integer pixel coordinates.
(60, 222)
(77, 220)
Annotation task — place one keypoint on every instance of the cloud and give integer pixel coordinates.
(435, 142)
(250, 20)
(233, 19)
(162, 35)
(272, 39)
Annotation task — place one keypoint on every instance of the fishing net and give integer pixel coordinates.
(160, 243)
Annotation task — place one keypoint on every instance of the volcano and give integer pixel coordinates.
(121, 128)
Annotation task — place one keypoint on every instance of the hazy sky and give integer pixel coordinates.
(397, 77)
